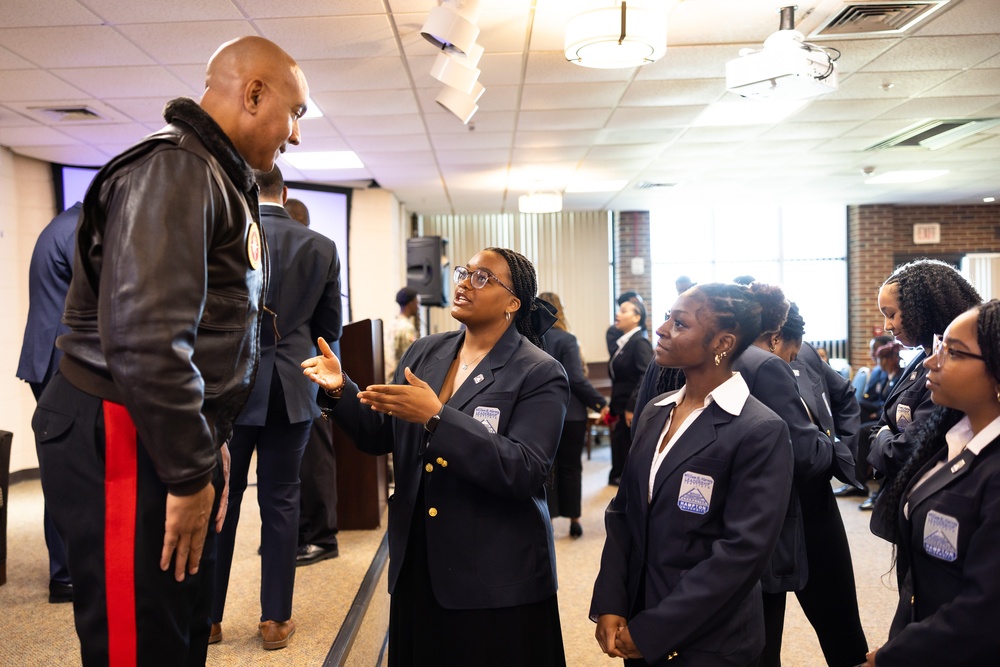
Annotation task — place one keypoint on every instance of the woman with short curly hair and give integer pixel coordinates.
(918, 300)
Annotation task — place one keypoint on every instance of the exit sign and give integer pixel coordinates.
(927, 233)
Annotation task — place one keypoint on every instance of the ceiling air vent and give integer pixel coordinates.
(859, 19)
(68, 114)
(646, 185)
(936, 133)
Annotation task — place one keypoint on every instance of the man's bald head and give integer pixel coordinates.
(256, 93)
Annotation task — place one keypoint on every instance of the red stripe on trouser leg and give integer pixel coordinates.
(120, 472)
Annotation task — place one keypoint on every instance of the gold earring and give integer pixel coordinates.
(506, 315)
(718, 359)
(998, 394)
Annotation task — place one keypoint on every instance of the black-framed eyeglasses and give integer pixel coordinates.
(942, 351)
(477, 278)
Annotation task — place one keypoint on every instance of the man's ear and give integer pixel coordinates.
(252, 94)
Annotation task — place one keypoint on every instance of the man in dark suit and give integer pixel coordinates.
(303, 302)
(48, 281)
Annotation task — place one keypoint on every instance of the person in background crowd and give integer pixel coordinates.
(472, 419)
(918, 300)
(169, 277)
(613, 333)
(564, 495)
(702, 500)
(683, 284)
(402, 330)
(628, 363)
(947, 500)
(829, 598)
(49, 274)
(297, 210)
(303, 302)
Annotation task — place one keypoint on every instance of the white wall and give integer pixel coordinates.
(27, 204)
(378, 254)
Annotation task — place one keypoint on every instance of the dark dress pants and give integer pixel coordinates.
(279, 454)
(564, 498)
(54, 544)
(621, 442)
(109, 505)
(318, 516)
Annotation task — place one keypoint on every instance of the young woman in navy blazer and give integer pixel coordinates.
(918, 300)
(702, 499)
(948, 501)
(472, 419)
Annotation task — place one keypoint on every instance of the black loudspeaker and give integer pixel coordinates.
(427, 269)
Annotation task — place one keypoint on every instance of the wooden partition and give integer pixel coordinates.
(362, 479)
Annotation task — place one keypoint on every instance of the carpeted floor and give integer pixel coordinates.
(37, 633)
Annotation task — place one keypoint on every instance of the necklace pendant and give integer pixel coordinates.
(465, 367)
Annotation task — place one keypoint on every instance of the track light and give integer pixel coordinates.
(451, 26)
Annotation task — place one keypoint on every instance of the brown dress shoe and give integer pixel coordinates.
(215, 635)
(276, 634)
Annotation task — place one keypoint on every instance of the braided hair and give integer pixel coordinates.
(794, 328)
(931, 294)
(747, 312)
(929, 435)
(522, 275)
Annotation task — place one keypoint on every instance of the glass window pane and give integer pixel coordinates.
(751, 231)
(814, 231)
(824, 309)
(681, 234)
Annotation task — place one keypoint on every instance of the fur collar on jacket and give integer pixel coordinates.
(187, 111)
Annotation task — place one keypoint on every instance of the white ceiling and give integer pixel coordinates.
(543, 122)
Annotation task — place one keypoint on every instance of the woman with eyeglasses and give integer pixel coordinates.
(918, 300)
(947, 498)
(473, 419)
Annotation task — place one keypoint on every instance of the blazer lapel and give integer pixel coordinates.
(698, 436)
(482, 376)
(903, 381)
(950, 472)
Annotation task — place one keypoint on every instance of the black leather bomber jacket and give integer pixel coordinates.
(165, 298)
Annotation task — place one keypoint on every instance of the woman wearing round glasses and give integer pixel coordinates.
(917, 300)
(948, 502)
(473, 420)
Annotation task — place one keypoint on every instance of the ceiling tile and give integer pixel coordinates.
(76, 155)
(971, 82)
(481, 156)
(32, 13)
(800, 131)
(423, 159)
(927, 53)
(673, 92)
(270, 9)
(566, 119)
(628, 136)
(366, 102)
(540, 97)
(559, 154)
(9, 60)
(441, 123)
(104, 133)
(104, 82)
(116, 12)
(698, 135)
(354, 74)
(388, 124)
(184, 43)
(552, 67)
(640, 117)
(823, 109)
(32, 85)
(503, 30)
(35, 136)
(388, 143)
(888, 85)
(93, 46)
(11, 118)
(613, 152)
(143, 110)
(313, 38)
(940, 107)
(968, 17)
(691, 62)
(543, 139)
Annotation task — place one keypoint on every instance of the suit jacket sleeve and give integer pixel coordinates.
(891, 448)
(642, 355)
(579, 385)
(847, 418)
(327, 320)
(776, 388)
(647, 391)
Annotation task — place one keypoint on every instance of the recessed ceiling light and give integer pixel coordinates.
(597, 186)
(312, 110)
(324, 160)
(989, 200)
(906, 176)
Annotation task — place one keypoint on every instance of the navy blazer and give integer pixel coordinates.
(626, 370)
(950, 548)
(304, 299)
(689, 581)
(908, 402)
(48, 281)
(563, 347)
(830, 399)
(772, 382)
(489, 536)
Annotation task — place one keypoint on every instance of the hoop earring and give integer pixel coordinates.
(506, 315)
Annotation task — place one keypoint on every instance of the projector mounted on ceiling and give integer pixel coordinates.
(786, 68)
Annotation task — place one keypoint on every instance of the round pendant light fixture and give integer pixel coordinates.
(621, 35)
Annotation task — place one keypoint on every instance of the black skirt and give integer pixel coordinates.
(422, 633)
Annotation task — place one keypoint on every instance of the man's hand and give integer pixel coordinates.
(185, 530)
(414, 402)
(628, 418)
(220, 518)
(607, 629)
(324, 370)
(625, 645)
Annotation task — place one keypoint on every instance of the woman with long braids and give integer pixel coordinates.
(947, 497)
(918, 300)
(703, 496)
(473, 420)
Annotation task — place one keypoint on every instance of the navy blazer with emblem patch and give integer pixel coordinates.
(956, 603)
(489, 536)
(689, 582)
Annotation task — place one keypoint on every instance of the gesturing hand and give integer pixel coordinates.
(607, 629)
(324, 370)
(414, 402)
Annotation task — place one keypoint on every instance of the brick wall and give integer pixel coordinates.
(877, 234)
(631, 235)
